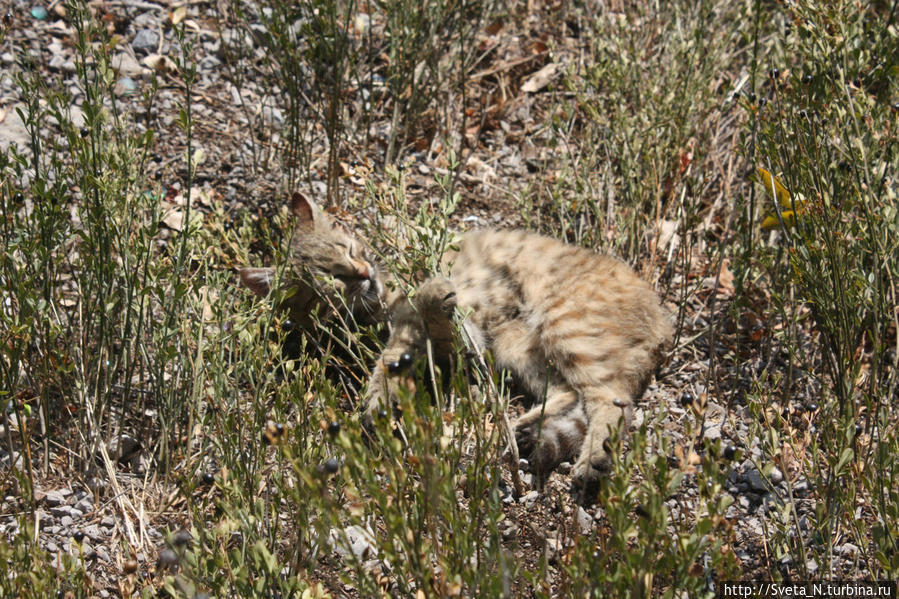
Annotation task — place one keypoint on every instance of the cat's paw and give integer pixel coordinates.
(436, 297)
(545, 443)
(541, 452)
(587, 476)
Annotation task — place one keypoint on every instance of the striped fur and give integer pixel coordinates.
(576, 329)
(330, 276)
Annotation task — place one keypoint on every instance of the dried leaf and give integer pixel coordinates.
(174, 220)
(160, 63)
(178, 14)
(541, 78)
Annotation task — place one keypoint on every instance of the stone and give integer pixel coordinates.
(776, 476)
(125, 86)
(12, 131)
(529, 498)
(57, 497)
(754, 479)
(94, 532)
(126, 65)
(584, 520)
(510, 533)
(354, 541)
(61, 510)
(145, 41)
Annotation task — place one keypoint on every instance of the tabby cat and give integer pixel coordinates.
(578, 331)
(331, 286)
(331, 274)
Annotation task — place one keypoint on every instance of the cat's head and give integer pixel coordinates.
(329, 271)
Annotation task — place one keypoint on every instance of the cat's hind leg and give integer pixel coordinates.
(551, 432)
(605, 407)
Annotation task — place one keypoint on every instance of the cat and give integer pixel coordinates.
(331, 287)
(331, 274)
(577, 330)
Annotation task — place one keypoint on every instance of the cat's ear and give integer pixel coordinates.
(258, 280)
(303, 208)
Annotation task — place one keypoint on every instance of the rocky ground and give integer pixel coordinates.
(235, 127)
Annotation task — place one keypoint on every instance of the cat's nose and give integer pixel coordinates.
(363, 269)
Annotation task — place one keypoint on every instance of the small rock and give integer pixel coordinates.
(552, 549)
(510, 533)
(584, 520)
(755, 481)
(272, 116)
(126, 65)
(88, 551)
(85, 505)
(354, 541)
(776, 476)
(13, 131)
(61, 510)
(57, 62)
(812, 566)
(107, 522)
(208, 63)
(146, 41)
(57, 497)
(66, 521)
(529, 498)
(125, 86)
(39, 12)
(94, 532)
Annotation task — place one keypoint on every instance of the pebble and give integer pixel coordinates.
(584, 520)
(529, 498)
(509, 533)
(126, 65)
(57, 497)
(125, 86)
(12, 131)
(145, 41)
(39, 12)
(353, 541)
(755, 481)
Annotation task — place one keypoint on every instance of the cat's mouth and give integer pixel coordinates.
(362, 295)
